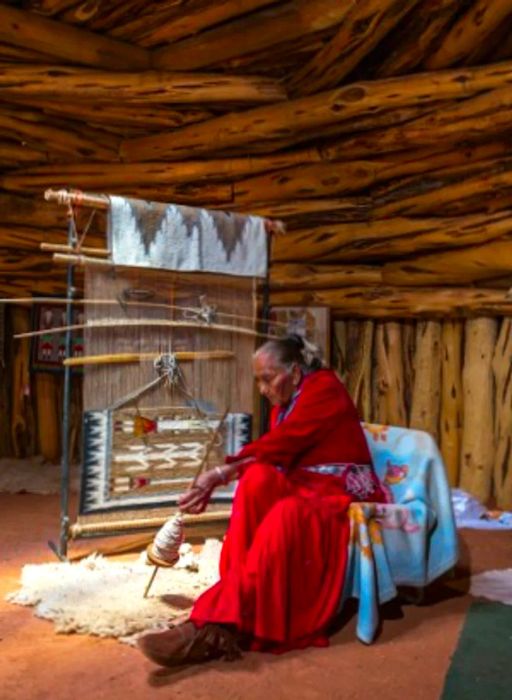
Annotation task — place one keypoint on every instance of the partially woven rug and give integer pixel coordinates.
(105, 598)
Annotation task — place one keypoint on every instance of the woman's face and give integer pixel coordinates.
(275, 383)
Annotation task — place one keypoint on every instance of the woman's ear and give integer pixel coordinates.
(296, 374)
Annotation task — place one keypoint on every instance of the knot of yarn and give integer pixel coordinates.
(166, 366)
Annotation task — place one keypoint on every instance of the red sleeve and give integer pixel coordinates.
(319, 407)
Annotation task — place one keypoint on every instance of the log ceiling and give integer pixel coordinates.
(379, 131)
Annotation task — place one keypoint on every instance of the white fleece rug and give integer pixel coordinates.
(105, 598)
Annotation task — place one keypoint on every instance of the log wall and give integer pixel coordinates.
(378, 132)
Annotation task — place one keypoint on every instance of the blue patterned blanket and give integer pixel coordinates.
(412, 540)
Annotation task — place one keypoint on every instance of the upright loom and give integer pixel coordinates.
(170, 324)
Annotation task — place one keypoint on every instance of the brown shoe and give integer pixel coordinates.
(188, 644)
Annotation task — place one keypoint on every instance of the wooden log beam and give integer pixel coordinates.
(31, 212)
(477, 455)
(300, 213)
(260, 30)
(451, 397)
(128, 114)
(14, 154)
(453, 195)
(183, 21)
(28, 238)
(419, 32)
(297, 276)
(84, 85)
(401, 302)
(335, 178)
(453, 267)
(75, 45)
(98, 176)
(383, 239)
(365, 25)
(358, 360)
(307, 113)
(48, 7)
(73, 140)
(472, 119)
(471, 30)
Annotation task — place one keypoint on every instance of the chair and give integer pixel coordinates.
(408, 542)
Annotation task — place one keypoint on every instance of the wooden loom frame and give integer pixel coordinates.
(120, 526)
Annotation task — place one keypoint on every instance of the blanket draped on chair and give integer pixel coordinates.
(409, 542)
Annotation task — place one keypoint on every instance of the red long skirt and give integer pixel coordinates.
(283, 560)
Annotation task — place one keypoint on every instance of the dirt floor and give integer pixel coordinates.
(408, 660)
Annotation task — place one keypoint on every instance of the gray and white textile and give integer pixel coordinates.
(186, 239)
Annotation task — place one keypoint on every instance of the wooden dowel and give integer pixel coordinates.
(67, 259)
(66, 197)
(119, 358)
(62, 248)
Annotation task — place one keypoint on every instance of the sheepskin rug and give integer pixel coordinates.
(103, 597)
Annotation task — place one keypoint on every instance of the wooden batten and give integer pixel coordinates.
(294, 116)
(477, 453)
(82, 85)
(451, 419)
(75, 45)
(426, 393)
(365, 24)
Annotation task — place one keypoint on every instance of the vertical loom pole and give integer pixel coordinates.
(265, 315)
(66, 400)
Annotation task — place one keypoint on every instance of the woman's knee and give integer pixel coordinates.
(260, 477)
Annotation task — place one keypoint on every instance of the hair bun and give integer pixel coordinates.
(297, 339)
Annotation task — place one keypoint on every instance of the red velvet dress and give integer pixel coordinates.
(284, 556)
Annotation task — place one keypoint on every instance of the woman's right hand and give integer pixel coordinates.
(196, 499)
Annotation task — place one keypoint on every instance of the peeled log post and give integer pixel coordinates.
(427, 379)
(451, 397)
(307, 113)
(359, 343)
(367, 22)
(502, 370)
(47, 403)
(472, 29)
(302, 276)
(80, 84)
(388, 238)
(401, 302)
(477, 457)
(458, 267)
(70, 43)
(390, 376)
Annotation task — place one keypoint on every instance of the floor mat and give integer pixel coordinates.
(481, 667)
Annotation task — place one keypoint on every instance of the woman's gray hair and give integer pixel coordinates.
(290, 350)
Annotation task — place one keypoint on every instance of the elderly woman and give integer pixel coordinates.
(283, 559)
